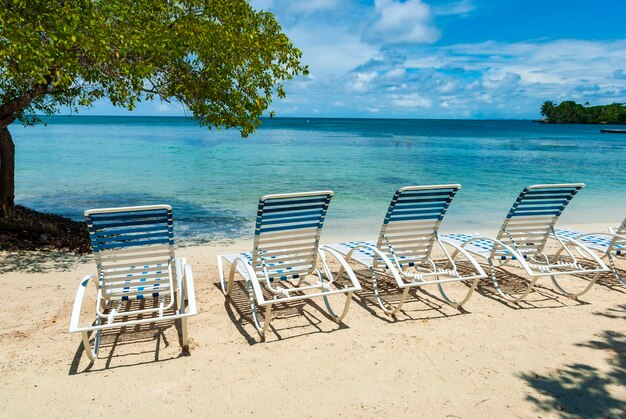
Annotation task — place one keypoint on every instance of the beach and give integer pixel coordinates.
(547, 357)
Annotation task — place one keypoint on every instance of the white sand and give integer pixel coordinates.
(549, 357)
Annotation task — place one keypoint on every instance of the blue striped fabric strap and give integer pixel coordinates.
(130, 228)
(546, 201)
(420, 204)
(291, 213)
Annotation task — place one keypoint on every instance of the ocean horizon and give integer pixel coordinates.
(213, 179)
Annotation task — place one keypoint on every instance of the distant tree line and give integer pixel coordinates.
(570, 112)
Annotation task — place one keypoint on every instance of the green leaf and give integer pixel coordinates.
(223, 62)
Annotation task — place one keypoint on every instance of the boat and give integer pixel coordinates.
(613, 131)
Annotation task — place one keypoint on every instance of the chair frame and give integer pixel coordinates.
(383, 264)
(181, 291)
(258, 281)
(615, 234)
(533, 267)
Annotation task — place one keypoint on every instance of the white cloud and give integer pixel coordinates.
(362, 81)
(332, 51)
(497, 79)
(402, 22)
(412, 100)
(461, 7)
(447, 86)
(487, 79)
(167, 108)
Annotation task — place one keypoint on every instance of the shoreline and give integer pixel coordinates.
(244, 243)
(370, 232)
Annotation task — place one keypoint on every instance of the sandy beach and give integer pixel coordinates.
(548, 357)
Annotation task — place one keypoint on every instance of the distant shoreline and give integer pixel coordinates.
(182, 117)
(312, 118)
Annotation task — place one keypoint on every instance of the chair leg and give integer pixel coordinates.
(386, 307)
(339, 318)
(574, 295)
(619, 277)
(459, 304)
(452, 303)
(92, 354)
(185, 340)
(506, 295)
(260, 327)
(220, 267)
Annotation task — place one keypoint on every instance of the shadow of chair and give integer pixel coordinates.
(237, 306)
(137, 338)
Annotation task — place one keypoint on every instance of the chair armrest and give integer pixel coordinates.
(186, 289)
(564, 241)
(390, 266)
(78, 302)
(344, 266)
(496, 242)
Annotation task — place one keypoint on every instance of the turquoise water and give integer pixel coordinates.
(213, 179)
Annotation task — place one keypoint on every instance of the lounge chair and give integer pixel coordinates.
(609, 244)
(285, 254)
(138, 278)
(521, 242)
(405, 245)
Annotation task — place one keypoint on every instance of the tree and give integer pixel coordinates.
(221, 59)
(547, 109)
(570, 112)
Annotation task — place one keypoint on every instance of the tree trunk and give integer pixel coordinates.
(7, 173)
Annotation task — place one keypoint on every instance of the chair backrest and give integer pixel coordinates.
(413, 219)
(132, 247)
(287, 233)
(531, 219)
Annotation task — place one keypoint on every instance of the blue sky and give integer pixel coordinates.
(445, 58)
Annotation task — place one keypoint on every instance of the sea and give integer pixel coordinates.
(214, 178)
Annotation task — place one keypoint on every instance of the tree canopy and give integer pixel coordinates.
(570, 112)
(221, 59)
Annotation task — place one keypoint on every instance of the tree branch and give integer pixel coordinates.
(8, 110)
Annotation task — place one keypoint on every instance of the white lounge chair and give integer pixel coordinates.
(521, 241)
(610, 245)
(138, 278)
(285, 254)
(405, 245)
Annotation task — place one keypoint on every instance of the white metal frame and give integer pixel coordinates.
(430, 274)
(181, 295)
(615, 234)
(256, 282)
(535, 268)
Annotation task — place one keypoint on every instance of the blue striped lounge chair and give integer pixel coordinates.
(522, 243)
(405, 245)
(610, 245)
(138, 280)
(283, 264)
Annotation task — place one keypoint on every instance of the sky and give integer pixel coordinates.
(444, 58)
